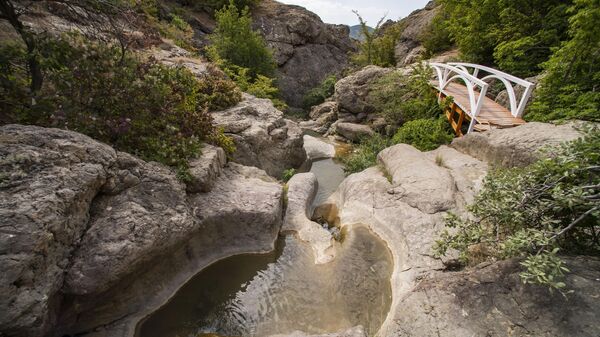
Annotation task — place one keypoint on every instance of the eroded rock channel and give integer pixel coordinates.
(286, 290)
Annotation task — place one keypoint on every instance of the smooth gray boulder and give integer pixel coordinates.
(322, 116)
(351, 92)
(94, 239)
(405, 201)
(302, 189)
(518, 146)
(353, 132)
(263, 138)
(317, 149)
(49, 179)
(205, 170)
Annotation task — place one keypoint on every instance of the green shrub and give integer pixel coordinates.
(516, 35)
(288, 174)
(235, 43)
(424, 134)
(534, 213)
(156, 112)
(215, 5)
(570, 88)
(319, 94)
(365, 154)
(260, 86)
(400, 98)
(377, 47)
(436, 37)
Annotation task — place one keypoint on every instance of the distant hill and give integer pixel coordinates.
(355, 32)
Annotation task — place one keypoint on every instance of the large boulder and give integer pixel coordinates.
(518, 146)
(95, 239)
(262, 136)
(353, 132)
(306, 50)
(491, 300)
(405, 200)
(351, 93)
(49, 180)
(409, 48)
(302, 189)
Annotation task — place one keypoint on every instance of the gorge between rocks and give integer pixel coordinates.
(285, 290)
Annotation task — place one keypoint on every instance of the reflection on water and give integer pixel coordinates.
(260, 295)
(330, 175)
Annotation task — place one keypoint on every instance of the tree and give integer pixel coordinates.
(571, 87)
(367, 46)
(84, 10)
(234, 42)
(515, 35)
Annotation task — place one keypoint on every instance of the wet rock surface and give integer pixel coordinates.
(302, 189)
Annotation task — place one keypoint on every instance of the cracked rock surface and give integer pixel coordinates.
(92, 240)
(405, 200)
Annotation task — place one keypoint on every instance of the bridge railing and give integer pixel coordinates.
(517, 104)
(477, 88)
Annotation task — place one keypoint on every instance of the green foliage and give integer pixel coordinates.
(235, 43)
(377, 47)
(156, 112)
(436, 37)
(516, 35)
(402, 98)
(171, 26)
(365, 154)
(570, 88)
(534, 212)
(424, 134)
(319, 94)
(215, 5)
(260, 86)
(288, 174)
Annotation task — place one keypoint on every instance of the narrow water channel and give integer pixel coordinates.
(284, 291)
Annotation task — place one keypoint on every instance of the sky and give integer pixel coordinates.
(340, 11)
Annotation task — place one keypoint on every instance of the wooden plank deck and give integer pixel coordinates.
(492, 114)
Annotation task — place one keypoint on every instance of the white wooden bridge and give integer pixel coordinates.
(468, 85)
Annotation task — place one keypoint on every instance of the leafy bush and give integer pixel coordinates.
(365, 154)
(436, 37)
(570, 88)
(319, 94)
(377, 47)
(402, 98)
(288, 174)
(516, 35)
(260, 86)
(215, 5)
(235, 43)
(534, 213)
(424, 134)
(159, 113)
